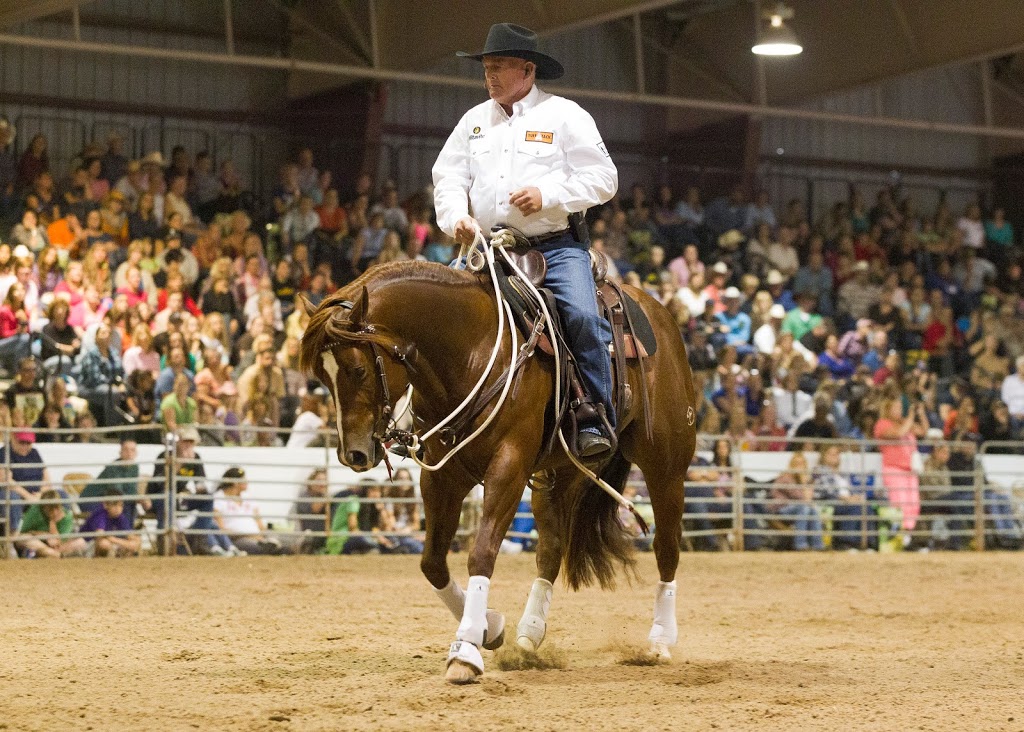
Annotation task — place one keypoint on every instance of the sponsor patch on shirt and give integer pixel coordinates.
(548, 137)
(602, 148)
(477, 135)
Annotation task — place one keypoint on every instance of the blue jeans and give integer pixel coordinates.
(571, 281)
(806, 526)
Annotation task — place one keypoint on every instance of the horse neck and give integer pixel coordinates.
(452, 328)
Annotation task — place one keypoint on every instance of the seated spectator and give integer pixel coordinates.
(12, 490)
(123, 475)
(178, 409)
(833, 360)
(177, 362)
(793, 497)
(263, 378)
(51, 419)
(332, 216)
(114, 526)
(51, 519)
(857, 295)
(735, 323)
(309, 421)
(765, 337)
(817, 426)
(141, 355)
(25, 395)
(849, 506)
(766, 425)
(369, 243)
(395, 218)
(239, 519)
(89, 311)
(1012, 392)
(29, 233)
(14, 328)
(686, 265)
(801, 320)
(299, 223)
(311, 513)
(101, 382)
(854, 344)
(60, 343)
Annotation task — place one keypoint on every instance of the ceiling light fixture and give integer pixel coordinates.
(777, 39)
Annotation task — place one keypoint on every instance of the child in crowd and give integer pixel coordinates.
(110, 521)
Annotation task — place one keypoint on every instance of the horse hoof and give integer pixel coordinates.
(526, 644)
(493, 645)
(495, 630)
(660, 652)
(461, 673)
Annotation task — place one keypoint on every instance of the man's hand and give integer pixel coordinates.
(465, 230)
(527, 200)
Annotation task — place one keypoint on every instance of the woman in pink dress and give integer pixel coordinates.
(898, 477)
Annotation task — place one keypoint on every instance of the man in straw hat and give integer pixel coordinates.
(535, 161)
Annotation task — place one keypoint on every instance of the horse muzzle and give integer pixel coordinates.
(361, 457)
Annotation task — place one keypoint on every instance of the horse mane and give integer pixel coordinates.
(326, 326)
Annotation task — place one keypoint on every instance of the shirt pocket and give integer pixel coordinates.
(479, 157)
(542, 152)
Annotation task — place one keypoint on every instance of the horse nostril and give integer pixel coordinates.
(356, 457)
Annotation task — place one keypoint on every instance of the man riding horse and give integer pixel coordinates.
(536, 162)
(528, 160)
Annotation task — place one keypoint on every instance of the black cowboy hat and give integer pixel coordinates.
(508, 39)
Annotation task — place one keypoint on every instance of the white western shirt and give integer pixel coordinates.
(548, 142)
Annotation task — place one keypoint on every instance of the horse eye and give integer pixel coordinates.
(359, 372)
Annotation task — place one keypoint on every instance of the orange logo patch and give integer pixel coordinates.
(548, 137)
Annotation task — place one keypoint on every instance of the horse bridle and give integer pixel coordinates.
(384, 427)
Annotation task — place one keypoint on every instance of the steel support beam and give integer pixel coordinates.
(374, 43)
(229, 28)
(638, 54)
(363, 72)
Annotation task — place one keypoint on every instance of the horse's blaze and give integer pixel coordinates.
(331, 368)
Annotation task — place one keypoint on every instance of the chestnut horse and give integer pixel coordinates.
(434, 328)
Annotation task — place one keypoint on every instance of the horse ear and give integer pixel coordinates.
(359, 307)
(306, 305)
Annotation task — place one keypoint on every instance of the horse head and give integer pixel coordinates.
(357, 363)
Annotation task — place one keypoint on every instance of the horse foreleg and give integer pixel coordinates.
(503, 485)
(666, 492)
(443, 494)
(532, 625)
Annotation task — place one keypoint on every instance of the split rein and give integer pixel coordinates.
(475, 258)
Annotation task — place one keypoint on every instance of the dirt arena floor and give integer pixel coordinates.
(789, 642)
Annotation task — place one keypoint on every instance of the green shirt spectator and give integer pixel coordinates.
(346, 518)
(122, 475)
(998, 230)
(175, 414)
(35, 520)
(799, 322)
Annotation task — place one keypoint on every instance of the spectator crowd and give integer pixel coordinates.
(161, 294)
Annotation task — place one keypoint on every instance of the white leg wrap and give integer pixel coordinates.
(453, 598)
(468, 653)
(665, 631)
(474, 616)
(533, 625)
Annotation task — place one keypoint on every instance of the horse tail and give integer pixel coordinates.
(596, 542)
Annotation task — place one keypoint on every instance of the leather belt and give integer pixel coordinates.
(545, 238)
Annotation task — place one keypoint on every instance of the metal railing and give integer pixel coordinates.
(738, 503)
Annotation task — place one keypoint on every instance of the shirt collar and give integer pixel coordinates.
(524, 104)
